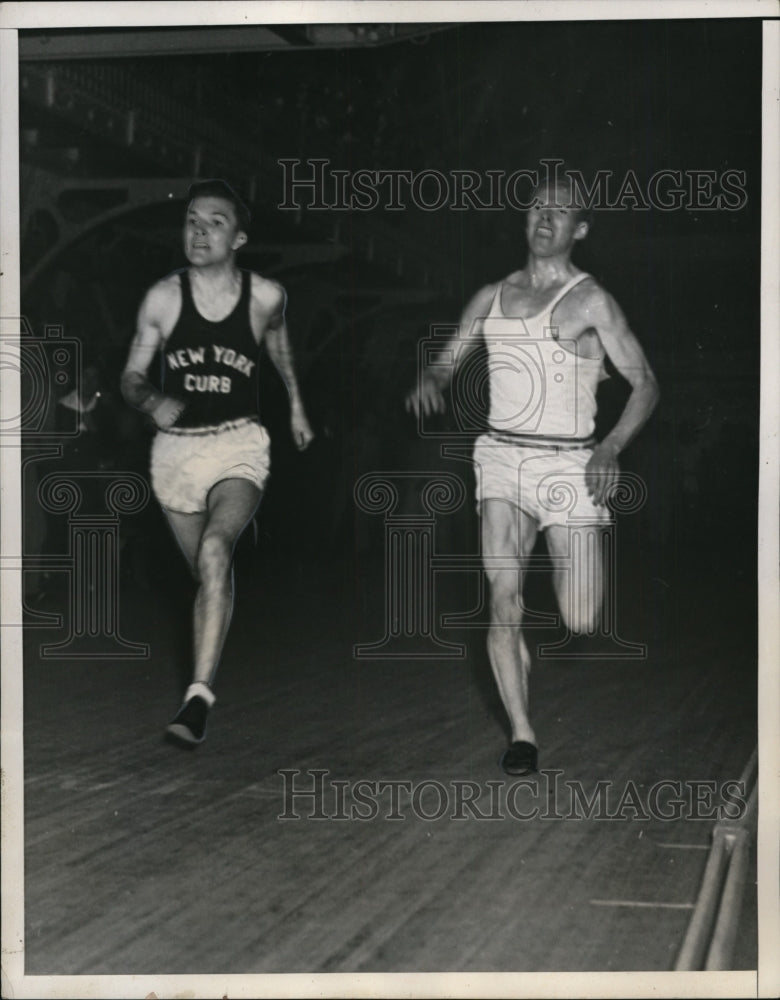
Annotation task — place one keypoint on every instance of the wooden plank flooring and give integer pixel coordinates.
(144, 859)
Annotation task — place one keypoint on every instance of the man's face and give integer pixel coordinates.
(553, 224)
(211, 231)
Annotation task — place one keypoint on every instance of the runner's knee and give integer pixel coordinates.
(505, 607)
(214, 556)
(580, 614)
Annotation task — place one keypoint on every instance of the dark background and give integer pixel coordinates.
(633, 95)
(109, 144)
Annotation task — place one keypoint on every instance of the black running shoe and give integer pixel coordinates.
(520, 758)
(189, 726)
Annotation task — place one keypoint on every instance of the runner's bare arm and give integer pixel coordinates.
(428, 395)
(625, 352)
(136, 388)
(277, 342)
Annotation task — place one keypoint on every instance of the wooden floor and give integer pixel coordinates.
(141, 858)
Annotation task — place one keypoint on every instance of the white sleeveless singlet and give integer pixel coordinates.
(539, 386)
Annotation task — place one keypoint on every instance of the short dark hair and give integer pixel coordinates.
(218, 188)
(563, 177)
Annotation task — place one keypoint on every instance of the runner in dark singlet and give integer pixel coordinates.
(210, 457)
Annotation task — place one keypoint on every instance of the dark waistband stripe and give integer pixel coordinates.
(542, 441)
(227, 425)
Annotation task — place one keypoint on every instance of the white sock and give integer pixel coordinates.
(202, 691)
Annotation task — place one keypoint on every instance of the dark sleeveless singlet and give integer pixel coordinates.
(212, 366)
